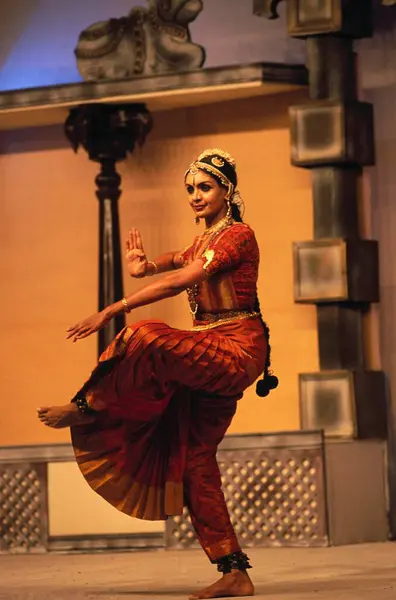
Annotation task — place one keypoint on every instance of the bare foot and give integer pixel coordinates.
(68, 415)
(231, 585)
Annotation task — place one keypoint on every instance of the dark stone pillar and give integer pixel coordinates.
(333, 136)
(108, 133)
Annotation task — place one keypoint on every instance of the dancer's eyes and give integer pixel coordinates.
(204, 187)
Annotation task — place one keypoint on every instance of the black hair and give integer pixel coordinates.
(269, 381)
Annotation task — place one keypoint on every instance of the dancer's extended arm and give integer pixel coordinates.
(166, 287)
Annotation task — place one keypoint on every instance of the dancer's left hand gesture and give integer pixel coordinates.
(88, 326)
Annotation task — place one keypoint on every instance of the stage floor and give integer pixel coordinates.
(366, 572)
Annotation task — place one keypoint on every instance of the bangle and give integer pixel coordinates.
(151, 262)
(126, 307)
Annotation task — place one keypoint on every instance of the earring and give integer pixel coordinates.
(229, 210)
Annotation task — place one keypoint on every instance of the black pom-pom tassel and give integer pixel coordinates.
(273, 381)
(264, 386)
(262, 389)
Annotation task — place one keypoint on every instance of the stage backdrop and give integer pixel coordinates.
(48, 256)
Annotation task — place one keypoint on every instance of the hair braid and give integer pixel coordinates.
(235, 213)
(268, 382)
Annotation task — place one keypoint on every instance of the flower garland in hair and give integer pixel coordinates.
(237, 199)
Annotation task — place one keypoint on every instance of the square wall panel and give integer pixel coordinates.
(344, 404)
(326, 401)
(320, 271)
(335, 270)
(332, 133)
(352, 18)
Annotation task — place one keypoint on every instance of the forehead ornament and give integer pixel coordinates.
(193, 169)
(217, 162)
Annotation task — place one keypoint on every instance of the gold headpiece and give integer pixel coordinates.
(212, 170)
(216, 163)
(218, 152)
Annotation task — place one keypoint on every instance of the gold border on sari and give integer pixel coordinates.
(219, 320)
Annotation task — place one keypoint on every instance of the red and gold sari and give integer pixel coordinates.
(165, 397)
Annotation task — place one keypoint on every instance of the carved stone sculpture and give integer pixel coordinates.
(266, 8)
(149, 41)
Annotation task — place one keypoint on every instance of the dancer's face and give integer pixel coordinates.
(207, 198)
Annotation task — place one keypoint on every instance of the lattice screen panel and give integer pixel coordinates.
(23, 510)
(275, 497)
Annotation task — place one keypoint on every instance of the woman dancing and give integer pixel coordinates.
(147, 424)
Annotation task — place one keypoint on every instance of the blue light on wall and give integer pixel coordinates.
(42, 35)
(37, 48)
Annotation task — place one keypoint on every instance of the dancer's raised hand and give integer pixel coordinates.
(135, 255)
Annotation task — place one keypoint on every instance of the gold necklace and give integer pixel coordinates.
(224, 222)
(211, 233)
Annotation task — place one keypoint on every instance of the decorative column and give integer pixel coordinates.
(108, 133)
(338, 271)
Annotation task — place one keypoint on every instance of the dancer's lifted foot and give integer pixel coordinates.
(232, 585)
(68, 415)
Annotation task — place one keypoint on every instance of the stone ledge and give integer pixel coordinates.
(49, 105)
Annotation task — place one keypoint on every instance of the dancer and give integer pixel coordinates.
(147, 424)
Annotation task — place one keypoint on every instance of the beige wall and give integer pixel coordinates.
(48, 257)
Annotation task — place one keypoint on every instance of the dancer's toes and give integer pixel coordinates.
(59, 417)
(42, 414)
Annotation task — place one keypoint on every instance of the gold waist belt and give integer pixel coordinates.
(214, 320)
